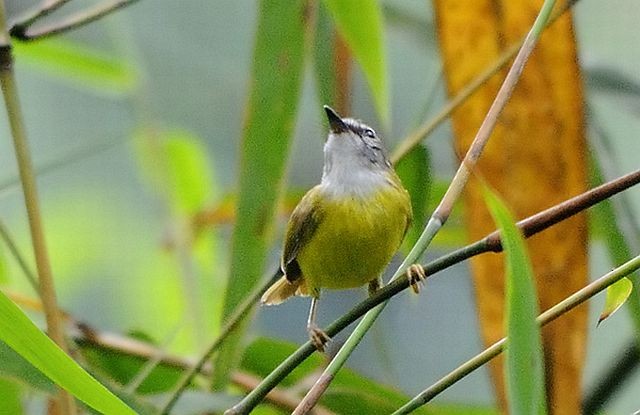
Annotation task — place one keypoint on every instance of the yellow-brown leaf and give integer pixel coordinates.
(535, 159)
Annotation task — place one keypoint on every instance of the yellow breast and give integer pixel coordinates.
(356, 239)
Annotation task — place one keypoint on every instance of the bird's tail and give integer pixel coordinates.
(281, 290)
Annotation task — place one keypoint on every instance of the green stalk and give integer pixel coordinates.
(443, 210)
(494, 350)
(18, 132)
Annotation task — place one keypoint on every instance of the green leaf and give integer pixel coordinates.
(122, 368)
(190, 171)
(524, 361)
(350, 392)
(323, 58)
(78, 64)
(16, 367)
(19, 333)
(360, 24)
(176, 163)
(617, 294)
(10, 397)
(276, 81)
(415, 172)
(606, 226)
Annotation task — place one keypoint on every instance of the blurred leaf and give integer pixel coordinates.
(176, 163)
(190, 171)
(123, 367)
(415, 172)
(360, 24)
(525, 366)
(617, 294)
(78, 64)
(276, 81)
(350, 392)
(19, 333)
(323, 58)
(10, 397)
(606, 226)
(16, 367)
(610, 79)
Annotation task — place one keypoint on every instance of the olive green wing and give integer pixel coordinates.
(302, 225)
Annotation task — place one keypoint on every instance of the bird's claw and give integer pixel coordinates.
(318, 337)
(417, 276)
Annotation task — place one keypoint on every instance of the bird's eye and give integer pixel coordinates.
(369, 133)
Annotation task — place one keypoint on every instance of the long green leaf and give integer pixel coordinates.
(606, 226)
(360, 24)
(276, 81)
(78, 64)
(17, 331)
(525, 365)
(415, 172)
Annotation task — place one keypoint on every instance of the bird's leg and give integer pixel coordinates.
(374, 285)
(318, 337)
(417, 276)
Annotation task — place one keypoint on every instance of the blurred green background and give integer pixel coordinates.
(178, 73)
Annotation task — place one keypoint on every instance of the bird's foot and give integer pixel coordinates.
(416, 276)
(318, 337)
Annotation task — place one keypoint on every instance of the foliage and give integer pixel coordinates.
(168, 235)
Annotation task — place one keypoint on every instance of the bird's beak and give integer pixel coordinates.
(336, 124)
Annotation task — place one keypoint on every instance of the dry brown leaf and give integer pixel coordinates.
(535, 159)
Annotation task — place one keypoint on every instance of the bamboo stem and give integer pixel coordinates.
(29, 189)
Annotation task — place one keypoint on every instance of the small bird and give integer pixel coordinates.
(345, 230)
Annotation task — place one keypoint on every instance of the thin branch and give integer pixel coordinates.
(46, 285)
(22, 30)
(241, 311)
(414, 138)
(490, 243)
(44, 9)
(22, 263)
(543, 319)
(442, 212)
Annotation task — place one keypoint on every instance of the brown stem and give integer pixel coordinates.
(30, 193)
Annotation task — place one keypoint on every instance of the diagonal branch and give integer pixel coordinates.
(543, 319)
(22, 29)
(490, 243)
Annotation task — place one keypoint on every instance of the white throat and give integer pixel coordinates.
(347, 174)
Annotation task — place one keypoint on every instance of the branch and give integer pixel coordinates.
(543, 319)
(22, 29)
(442, 212)
(18, 132)
(490, 243)
(414, 138)
(237, 316)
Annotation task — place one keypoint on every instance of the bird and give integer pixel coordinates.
(344, 231)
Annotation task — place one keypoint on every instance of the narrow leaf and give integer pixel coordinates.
(276, 81)
(323, 61)
(524, 367)
(78, 64)
(617, 294)
(415, 172)
(605, 224)
(360, 24)
(17, 331)
(190, 171)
